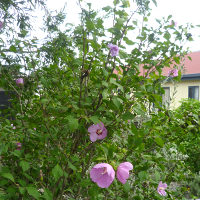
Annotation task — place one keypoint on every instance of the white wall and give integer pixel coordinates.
(179, 91)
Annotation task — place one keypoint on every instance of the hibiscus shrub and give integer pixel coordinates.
(84, 119)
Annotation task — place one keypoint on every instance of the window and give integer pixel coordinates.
(166, 96)
(5, 103)
(193, 92)
(3, 100)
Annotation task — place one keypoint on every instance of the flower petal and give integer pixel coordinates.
(102, 165)
(95, 174)
(104, 181)
(103, 174)
(92, 129)
(160, 184)
(93, 136)
(162, 193)
(122, 175)
(110, 45)
(126, 165)
(103, 135)
(123, 171)
(161, 188)
(164, 185)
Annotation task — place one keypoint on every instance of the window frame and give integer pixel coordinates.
(194, 86)
(167, 103)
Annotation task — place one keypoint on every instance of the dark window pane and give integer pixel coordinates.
(193, 92)
(4, 104)
(4, 100)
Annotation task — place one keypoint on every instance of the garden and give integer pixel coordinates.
(82, 122)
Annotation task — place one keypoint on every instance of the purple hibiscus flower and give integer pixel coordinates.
(103, 174)
(173, 73)
(161, 188)
(19, 145)
(123, 171)
(97, 132)
(114, 49)
(20, 81)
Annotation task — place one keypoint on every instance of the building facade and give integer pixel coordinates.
(189, 85)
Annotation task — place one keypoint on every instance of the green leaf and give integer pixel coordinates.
(13, 49)
(8, 176)
(104, 149)
(72, 166)
(100, 159)
(104, 83)
(169, 17)
(113, 81)
(105, 94)
(33, 192)
(44, 101)
(167, 36)
(48, 195)
(3, 182)
(57, 172)
(135, 23)
(116, 102)
(25, 165)
(107, 8)
(2, 193)
(95, 119)
(127, 187)
(157, 176)
(22, 190)
(28, 177)
(159, 141)
(115, 2)
(123, 55)
(128, 116)
(73, 123)
(177, 60)
(129, 42)
(155, 3)
(145, 19)
(89, 25)
(143, 175)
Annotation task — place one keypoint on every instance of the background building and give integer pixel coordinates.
(189, 85)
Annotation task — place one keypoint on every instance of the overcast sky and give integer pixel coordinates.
(183, 11)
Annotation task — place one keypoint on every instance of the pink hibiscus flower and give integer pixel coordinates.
(97, 132)
(173, 73)
(20, 81)
(103, 174)
(161, 188)
(123, 171)
(114, 49)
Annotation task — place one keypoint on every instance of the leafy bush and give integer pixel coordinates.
(85, 76)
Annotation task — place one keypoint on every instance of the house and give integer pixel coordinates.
(189, 85)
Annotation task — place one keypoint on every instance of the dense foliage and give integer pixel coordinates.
(86, 75)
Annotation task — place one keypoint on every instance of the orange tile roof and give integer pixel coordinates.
(192, 66)
(189, 66)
